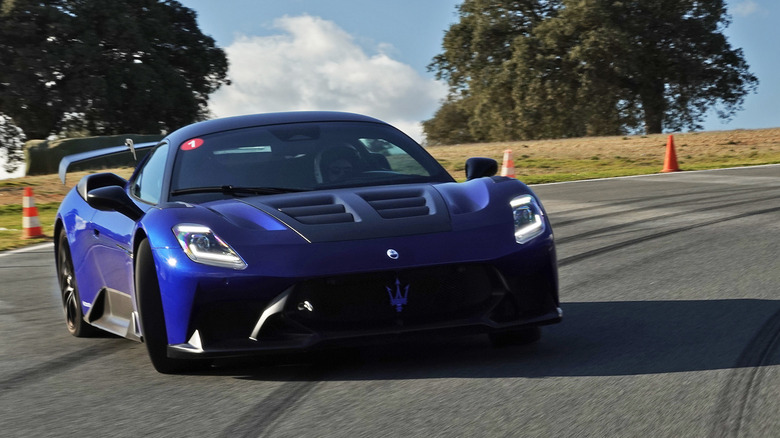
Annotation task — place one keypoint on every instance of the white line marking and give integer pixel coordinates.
(26, 249)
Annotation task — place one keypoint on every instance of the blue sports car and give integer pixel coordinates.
(298, 231)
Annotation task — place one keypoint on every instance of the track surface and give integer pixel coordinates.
(671, 292)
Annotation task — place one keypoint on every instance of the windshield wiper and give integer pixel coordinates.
(233, 190)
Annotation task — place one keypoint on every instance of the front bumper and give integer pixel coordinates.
(315, 341)
(377, 307)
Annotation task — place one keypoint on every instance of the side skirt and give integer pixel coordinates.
(113, 312)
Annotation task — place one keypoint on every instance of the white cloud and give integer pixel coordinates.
(745, 8)
(315, 65)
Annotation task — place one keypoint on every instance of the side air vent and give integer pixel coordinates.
(398, 204)
(320, 210)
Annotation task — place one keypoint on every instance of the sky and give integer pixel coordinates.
(364, 56)
(371, 57)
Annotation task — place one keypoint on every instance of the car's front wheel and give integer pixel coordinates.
(152, 318)
(74, 315)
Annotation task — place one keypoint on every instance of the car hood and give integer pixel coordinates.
(364, 213)
(387, 211)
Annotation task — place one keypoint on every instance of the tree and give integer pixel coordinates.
(11, 144)
(473, 63)
(116, 66)
(567, 76)
(595, 67)
(28, 65)
(450, 124)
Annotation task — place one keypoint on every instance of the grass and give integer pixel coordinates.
(536, 162)
(48, 192)
(544, 161)
(11, 225)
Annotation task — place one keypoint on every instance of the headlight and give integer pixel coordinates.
(528, 218)
(203, 246)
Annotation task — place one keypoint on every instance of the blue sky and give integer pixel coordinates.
(372, 56)
(363, 56)
(755, 28)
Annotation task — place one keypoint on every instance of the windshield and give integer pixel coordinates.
(301, 156)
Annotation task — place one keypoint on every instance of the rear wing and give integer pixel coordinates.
(84, 156)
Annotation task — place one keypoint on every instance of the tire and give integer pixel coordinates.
(71, 302)
(519, 336)
(151, 316)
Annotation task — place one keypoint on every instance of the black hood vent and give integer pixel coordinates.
(397, 204)
(319, 210)
(359, 213)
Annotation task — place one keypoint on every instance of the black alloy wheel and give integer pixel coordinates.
(74, 316)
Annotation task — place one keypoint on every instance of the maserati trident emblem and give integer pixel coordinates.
(393, 254)
(398, 296)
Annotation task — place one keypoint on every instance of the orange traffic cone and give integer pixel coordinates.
(31, 223)
(508, 166)
(670, 162)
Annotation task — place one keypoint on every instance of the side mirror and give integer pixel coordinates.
(114, 198)
(477, 167)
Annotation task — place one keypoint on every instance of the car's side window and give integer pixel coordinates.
(147, 185)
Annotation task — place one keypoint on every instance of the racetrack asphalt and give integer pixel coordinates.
(670, 286)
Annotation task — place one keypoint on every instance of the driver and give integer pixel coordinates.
(338, 170)
(338, 164)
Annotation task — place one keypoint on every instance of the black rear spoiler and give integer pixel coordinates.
(84, 156)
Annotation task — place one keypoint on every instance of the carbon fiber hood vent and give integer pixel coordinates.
(366, 213)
